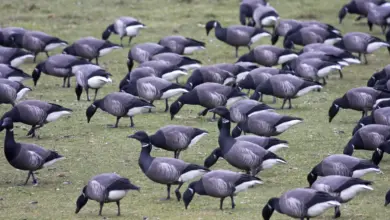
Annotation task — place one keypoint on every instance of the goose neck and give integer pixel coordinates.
(9, 138)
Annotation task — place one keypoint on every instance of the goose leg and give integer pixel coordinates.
(236, 51)
(289, 104)
(131, 122)
(177, 192)
(221, 203)
(341, 74)
(166, 105)
(35, 57)
(261, 97)
(383, 29)
(121, 41)
(31, 131)
(130, 38)
(86, 91)
(168, 192)
(248, 92)
(249, 47)
(116, 123)
(284, 102)
(151, 102)
(47, 54)
(177, 80)
(97, 60)
(233, 204)
(28, 177)
(35, 182)
(101, 208)
(273, 100)
(323, 81)
(63, 84)
(204, 112)
(337, 212)
(119, 208)
(365, 59)
(96, 91)
(68, 81)
(177, 154)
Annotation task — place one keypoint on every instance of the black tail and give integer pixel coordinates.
(246, 178)
(53, 155)
(188, 61)
(191, 167)
(173, 86)
(57, 108)
(195, 42)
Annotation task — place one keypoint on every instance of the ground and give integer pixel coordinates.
(92, 148)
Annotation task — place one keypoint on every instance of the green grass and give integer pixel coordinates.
(92, 148)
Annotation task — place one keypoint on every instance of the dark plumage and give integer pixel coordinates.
(144, 52)
(124, 26)
(11, 92)
(13, 73)
(181, 45)
(378, 116)
(267, 55)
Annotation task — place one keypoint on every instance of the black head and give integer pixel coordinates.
(377, 156)
(91, 110)
(333, 110)
(349, 148)
(236, 131)
(17, 40)
(210, 25)
(274, 38)
(130, 64)
(245, 58)
(79, 91)
(212, 158)
(69, 50)
(363, 122)
(130, 88)
(106, 34)
(141, 136)
(188, 195)
(288, 43)
(256, 94)
(175, 108)
(312, 177)
(36, 74)
(6, 123)
(376, 77)
(339, 44)
(269, 208)
(369, 24)
(221, 111)
(82, 200)
(342, 13)
(387, 198)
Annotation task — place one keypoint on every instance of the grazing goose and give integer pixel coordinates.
(14, 56)
(310, 35)
(123, 26)
(378, 15)
(135, 74)
(387, 198)
(236, 35)
(332, 51)
(164, 170)
(7, 32)
(13, 73)
(90, 76)
(300, 203)
(35, 113)
(235, 69)
(119, 104)
(246, 10)
(269, 143)
(378, 116)
(266, 123)
(91, 48)
(11, 92)
(285, 86)
(342, 165)
(359, 99)
(37, 42)
(154, 88)
(178, 60)
(243, 155)
(220, 184)
(240, 110)
(361, 43)
(164, 69)
(343, 187)
(144, 52)
(384, 74)
(360, 7)
(181, 45)
(26, 156)
(265, 16)
(105, 188)
(176, 138)
(59, 65)
(267, 55)
(210, 74)
(208, 95)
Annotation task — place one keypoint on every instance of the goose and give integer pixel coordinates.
(59, 65)
(11, 92)
(176, 138)
(90, 76)
(26, 156)
(37, 42)
(309, 35)
(124, 26)
(135, 74)
(342, 165)
(13, 73)
(208, 95)
(105, 188)
(359, 99)
(383, 74)
(236, 35)
(35, 113)
(382, 104)
(144, 52)
(182, 45)
(180, 61)
(243, 155)
(343, 187)
(387, 198)
(269, 143)
(220, 184)
(14, 56)
(154, 88)
(300, 203)
(210, 74)
(91, 48)
(235, 69)
(165, 70)
(383, 85)
(378, 116)
(361, 43)
(360, 7)
(332, 51)
(240, 110)
(164, 170)
(119, 104)
(378, 15)
(5, 35)
(265, 16)
(267, 55)
(266, 123)
(285, 86)
(246, 10)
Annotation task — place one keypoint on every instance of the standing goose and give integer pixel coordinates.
(300, 203)
(269, 143)
(342, 165)
(210, 74)
(119, 104)
(35, 113)
(37, 42)
(59, 65)
(208, 95)
(265, 16)
(14, 56)
(13, 73)
(91, 48)
(144, 52)
(243, 155)
(310, 35)
(178, 60)
(332, 51)
(164, 69)
(90, 76)
(7, 32)
(285, 86)
(384, 74)
(267, 55)
(266, 123)
(11, 92)
(236, 35)
(246, 10)
(181, 45)
(164, 170)
(361, 43)
(176, 138)
(26, 156)
(123, 26)
(360, 7)
(343, 187)
(378, 116)
(240, 110)
(154, 88)
(135, 74)
(105, 188)
(359, 99)
(378, 15)
(220, 184)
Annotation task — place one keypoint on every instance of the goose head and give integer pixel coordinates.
(387, 198)
(106, 33)
(81, 200)
(210, 25)
(6, 123)
(141, 136)
(189, 194)
(16, 39)
(91, 110)
(342, 13)
(70, 50)
(175, 108)
(269, 208)
(36, 74)
(334, 109)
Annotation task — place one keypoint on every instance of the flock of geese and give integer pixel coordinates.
(219, 89)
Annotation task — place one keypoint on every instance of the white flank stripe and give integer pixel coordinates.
(320, 208)
(277, 147)
(307, 89)
(49, 163)
(286, 58)
(190, 50)
(133, 30)
(284, 126)
(257, 112)
(229, 81)
(16, 78)
(191, 175)
(270, 163)
(360, 173)
(259, 36)
(53, 46)
(171, 76)
(191, 66)
(350, 192)
(138, 110)
(245, 185)
(379, 101)
(20, 60)
(332, 41)
(97, 82)
(343, 63)
(115, 195)
(173, 92)
(21, 93)
(196, 139)
(326, 70)
(375, 46)
(352, 60)
(269, 21)
(242, 76)
(56, 115)
(106, 51)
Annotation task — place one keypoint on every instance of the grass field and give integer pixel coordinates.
(92, 148)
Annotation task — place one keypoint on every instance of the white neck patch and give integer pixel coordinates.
(145, 144)
(224, 120)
